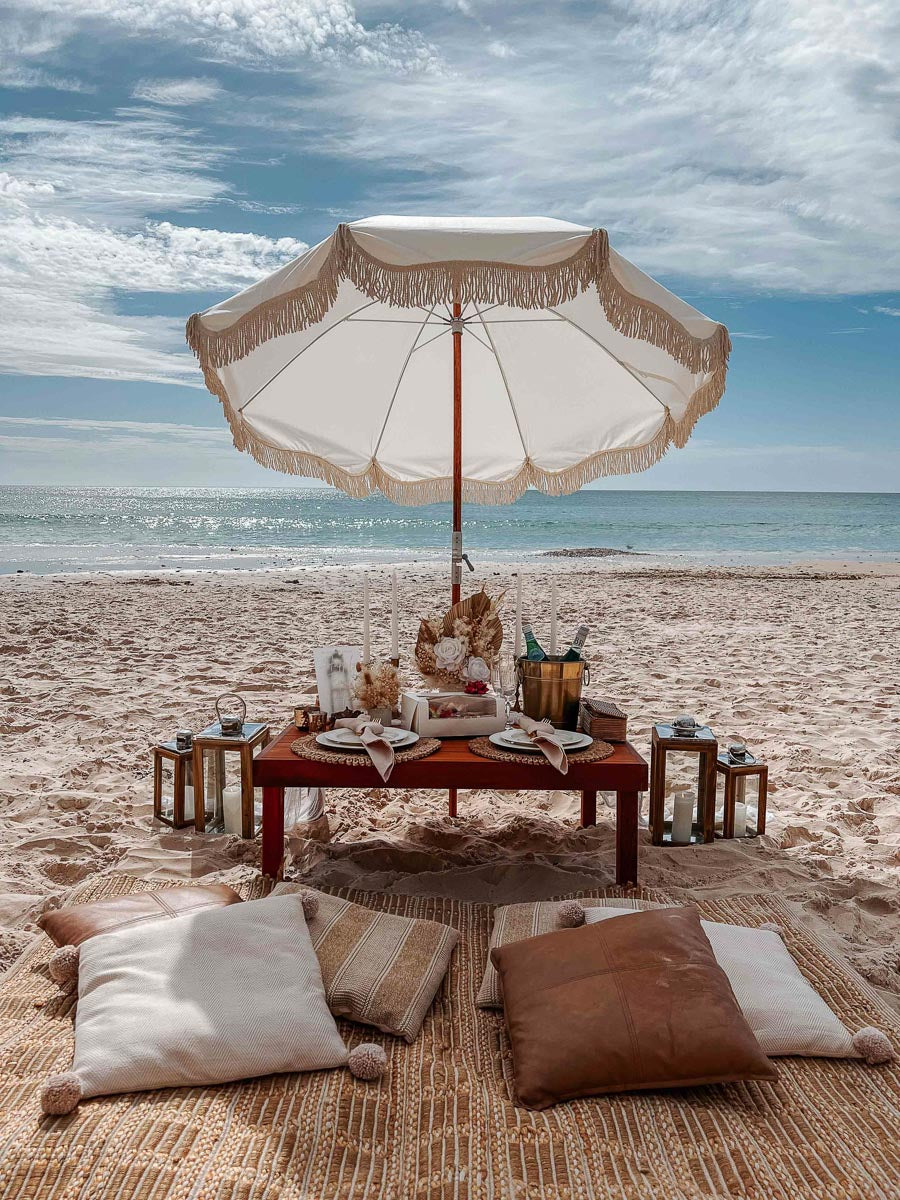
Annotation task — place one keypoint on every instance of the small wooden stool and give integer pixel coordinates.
(183, 778)
(255, 735)
(705, 745)
(735, 773)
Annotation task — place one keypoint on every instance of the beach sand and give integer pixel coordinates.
(801, 663)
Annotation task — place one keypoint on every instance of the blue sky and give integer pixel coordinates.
(155, 157)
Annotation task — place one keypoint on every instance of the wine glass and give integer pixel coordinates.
(505, 678)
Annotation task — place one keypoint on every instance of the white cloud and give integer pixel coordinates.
(756, 337)
(749, 144)
(176, 92)
(254, 30)
(74, 235)
(888, 312)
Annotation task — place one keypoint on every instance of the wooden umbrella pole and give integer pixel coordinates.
(456, 536)
(456, 544)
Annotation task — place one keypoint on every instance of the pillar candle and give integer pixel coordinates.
(682, 818)
(740, 806)
(367, 642)
(395, 631)
(518, 639)
(553, 598)
(231, 809)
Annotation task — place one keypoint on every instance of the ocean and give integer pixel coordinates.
(49, 530)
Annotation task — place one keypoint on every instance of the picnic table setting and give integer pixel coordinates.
(473, 711)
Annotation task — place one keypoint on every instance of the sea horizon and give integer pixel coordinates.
(51, 530)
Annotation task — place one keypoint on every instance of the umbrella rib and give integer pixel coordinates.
(302, 350)
(614, 357)
(387, 415)
(487, 334)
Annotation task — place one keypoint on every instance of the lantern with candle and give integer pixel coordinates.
(173, 781)
(742, 815)
(219, 803)
(694, 807)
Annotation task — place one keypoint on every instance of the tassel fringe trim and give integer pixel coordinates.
(626, 460)
(426, 284)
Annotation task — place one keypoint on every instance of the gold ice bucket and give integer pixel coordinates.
(552, 688)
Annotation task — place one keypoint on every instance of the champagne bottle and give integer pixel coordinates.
(573, 654)
(533, 648)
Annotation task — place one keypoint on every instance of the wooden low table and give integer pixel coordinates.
(455, 766)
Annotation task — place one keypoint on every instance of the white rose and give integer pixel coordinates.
(449, 655)
(478, 670)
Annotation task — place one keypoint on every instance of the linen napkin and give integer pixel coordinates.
(378, 748)
(543, 735)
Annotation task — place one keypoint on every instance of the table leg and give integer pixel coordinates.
(273, 832)
(627, 806)
(451, 801)
(588, 808)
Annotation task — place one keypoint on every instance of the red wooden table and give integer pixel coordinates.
(455, 766)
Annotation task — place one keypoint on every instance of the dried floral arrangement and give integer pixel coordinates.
(471, 629)
(377, 685)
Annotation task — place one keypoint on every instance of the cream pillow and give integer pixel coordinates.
(787, 1015)
(223, 994)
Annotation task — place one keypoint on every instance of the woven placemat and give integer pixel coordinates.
(486, 749)
(307, 747)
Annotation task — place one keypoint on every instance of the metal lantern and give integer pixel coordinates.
(741, 817)
(173, 781)
(694, 816)
(220, 805)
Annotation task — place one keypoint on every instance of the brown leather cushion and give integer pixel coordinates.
(624, 1005)
(74, 925)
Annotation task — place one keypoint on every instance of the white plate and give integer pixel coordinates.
(346, 739)
(518, 739)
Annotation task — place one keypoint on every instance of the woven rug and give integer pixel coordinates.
(441, 1124)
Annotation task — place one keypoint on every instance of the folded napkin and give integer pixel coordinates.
(378, 748)
(543, 735)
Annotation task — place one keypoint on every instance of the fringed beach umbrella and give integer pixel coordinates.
(447, 358)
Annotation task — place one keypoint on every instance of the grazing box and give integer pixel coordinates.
(452, 714)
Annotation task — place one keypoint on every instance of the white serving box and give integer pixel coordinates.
(418, 712)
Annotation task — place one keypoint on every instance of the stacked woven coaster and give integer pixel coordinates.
(604, 720)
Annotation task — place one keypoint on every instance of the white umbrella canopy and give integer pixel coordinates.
(576, 363)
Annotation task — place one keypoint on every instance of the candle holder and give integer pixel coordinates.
(683, 735)
(211, 794)
(740, 818)
(173, 783)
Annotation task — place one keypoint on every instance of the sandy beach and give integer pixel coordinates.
(800, 662)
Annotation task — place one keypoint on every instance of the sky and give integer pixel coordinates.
(157, 156)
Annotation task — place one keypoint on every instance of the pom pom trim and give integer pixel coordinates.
(63, 967)
(60, 1094)
(570, 914)
(310, 902)
(367, 1061)
(873, 1046)
(770, 926)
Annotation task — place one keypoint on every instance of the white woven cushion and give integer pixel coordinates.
(787, 1015)
(224, 994)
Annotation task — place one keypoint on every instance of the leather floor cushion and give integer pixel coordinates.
(73, 925)
(622, 1006)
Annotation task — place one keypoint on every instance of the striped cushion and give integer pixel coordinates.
(377, 969)
(513, 922)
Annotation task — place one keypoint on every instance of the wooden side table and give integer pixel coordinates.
(704, 744)
(735, 773)
(254, 737)
(182, 779)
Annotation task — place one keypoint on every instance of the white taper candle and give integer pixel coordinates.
(395, 629)
(518, 637)
(367, 635)
(553, 598)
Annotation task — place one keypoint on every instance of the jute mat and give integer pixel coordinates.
(307, 747)
(441, 1124)
(486, 749)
